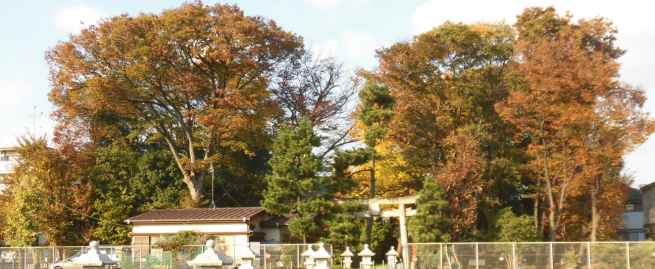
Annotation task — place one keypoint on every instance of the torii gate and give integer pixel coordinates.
(401, 212)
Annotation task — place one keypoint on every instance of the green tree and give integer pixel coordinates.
(342, 226)
(194, 77)
(374, 113)
(21, 214)
(430, 224)
(511, 228)
(295, 188)
(129, 182)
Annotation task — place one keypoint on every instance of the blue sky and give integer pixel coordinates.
(349, 30)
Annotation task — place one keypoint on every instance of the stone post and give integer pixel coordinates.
(392, 257)
(322, 257)
(367, 255)
(309, 257)
(347, 258)
(247, 257)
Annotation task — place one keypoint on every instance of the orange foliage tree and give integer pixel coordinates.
(570, 101)
(195, 77)
(444, 124)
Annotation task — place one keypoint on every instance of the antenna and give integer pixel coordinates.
(33, 116)
(211, 168)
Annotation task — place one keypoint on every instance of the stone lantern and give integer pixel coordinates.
(210, 259)
(247, 257)
(367, 258)
(392, 257)
(309, 257)
(347, 258)
(93, 258)
(322, 257)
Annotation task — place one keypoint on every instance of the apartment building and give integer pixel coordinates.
(8, 158)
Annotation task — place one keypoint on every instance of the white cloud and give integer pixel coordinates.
(328, 49)
(11, 92)
(326, 4)
(71, 18)
(359, 45)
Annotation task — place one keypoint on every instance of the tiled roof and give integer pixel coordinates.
(197, 214)
(271, 223)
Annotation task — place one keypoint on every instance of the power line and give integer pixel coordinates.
(226, 192)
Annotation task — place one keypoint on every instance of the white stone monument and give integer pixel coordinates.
(309, 257)
(210, 259)
(322, 257)
(367, 258)
(93, 258)
(392, 257)
(347, 258)
(247, 257)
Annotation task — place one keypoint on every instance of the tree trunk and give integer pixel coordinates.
(594, 214)
(536, 205)
(551, 200)
(369, 222)
(194, 183)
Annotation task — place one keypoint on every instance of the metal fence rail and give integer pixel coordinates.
(144, 256)
(532, 255)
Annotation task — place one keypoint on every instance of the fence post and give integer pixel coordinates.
(627, 253)
(298, 255)
(331, 252)
(140, 256)
(588, 254)
(551, 255)
(441, 256)
(514, 255)
(477, 261)
(264, 254)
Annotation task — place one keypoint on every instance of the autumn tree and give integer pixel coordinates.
(570, 74)
(445, 83)
(195, 77)
(48, 193)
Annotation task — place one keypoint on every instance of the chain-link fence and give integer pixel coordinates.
(282, 256)
(533, 255)
(46, 257)
(144, 256)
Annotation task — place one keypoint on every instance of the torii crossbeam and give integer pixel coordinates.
(401, 212)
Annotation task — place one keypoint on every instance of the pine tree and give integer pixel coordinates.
(375, 112)
(429, 224)
(342, 229)
(295, 188)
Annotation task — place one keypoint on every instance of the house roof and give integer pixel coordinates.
(272, 223)
(646, 187)
(197, 214)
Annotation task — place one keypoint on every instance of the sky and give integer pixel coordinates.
(349, 30)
